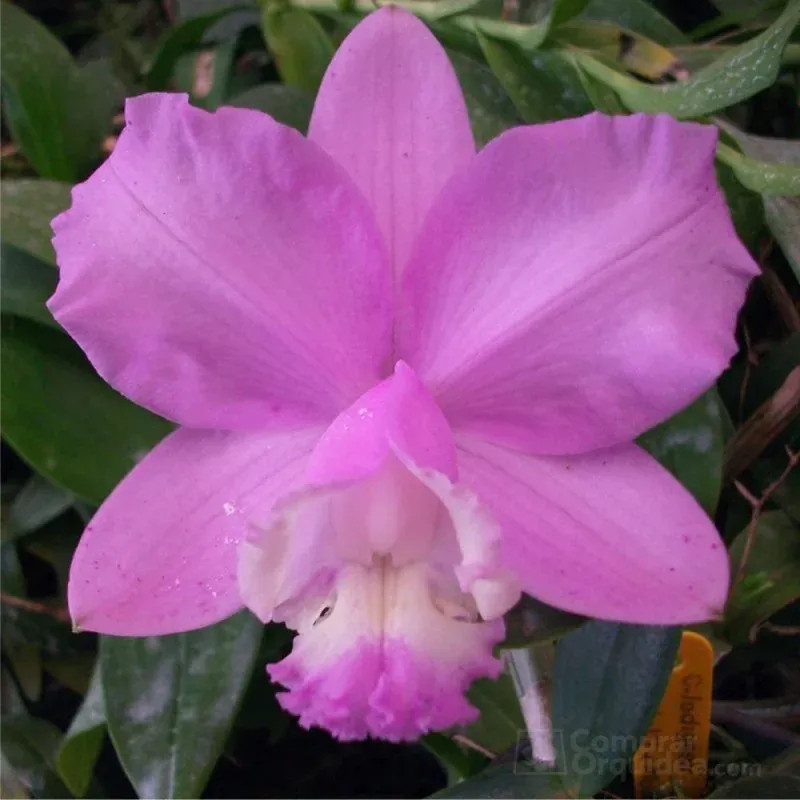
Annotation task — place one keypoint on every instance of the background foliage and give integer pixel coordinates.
(180, 716)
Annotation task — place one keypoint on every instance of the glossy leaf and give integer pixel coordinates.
(81, 744)
(608, 680)
(298, 43)
(691, 446)
(741, 73)
(27, 283)
(543, 86)
(286, 104)
(57, 113)
(63, 419)
(771, 577)
(491, 110)
(170, 701)
(28, 205)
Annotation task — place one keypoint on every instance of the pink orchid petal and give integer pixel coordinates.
(609, 534)
(578, 283)
(391, 111)
(222, 271)
(160, 554)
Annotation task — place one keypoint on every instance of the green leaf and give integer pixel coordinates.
(181, 39)
(298, 43)
(81, 744)
(783, 218)
(608, 680)
(286, 104)
(739, 74)
(459, 762)
(28, 205)
(63, 419)
(543, 86)
(491, 110)
(500, 724)
(170, 701)
(691, 446)
(636, 15)
(57, 113)
(29, 746)
(770, 580)
(508, 780)
(36, 504)
(745, 205)
(761, 176)
(27, 283)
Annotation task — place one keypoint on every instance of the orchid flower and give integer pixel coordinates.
(407, 375)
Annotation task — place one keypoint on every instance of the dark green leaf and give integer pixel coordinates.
(771, 577)
(28, 205)
(27, 283)
(636, 15)
(783, 218)
(458, 761)
(57, 113)
(286, 104)
(509, 781)
(741, 73)
(491, 110)
(532, 621)
(745, 205)
(61, 418)
(299, 45)
(500, 724)
(543, 86)
(170, 701)
(36, 504)
(180, 40)
(29, 746)
(691, 446)
(608, 681)
(81, 744)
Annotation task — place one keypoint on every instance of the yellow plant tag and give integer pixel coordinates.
(675, 751)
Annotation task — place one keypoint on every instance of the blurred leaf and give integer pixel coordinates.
(526, 36)
(73, 670)
(27, 284)
(741, 73)
(767, 786)
(90, 436)
(25, 660)
(508, 780)
(771, 578)
(37, 503)
(636, 15)
(499, 726)
(761, 176)
(783, 218)
(13, 581)
(29, 746)
(57, 113)
(745, 205)
(543, 86)
(608, 681)
(183, 38)
(286, 104)
(298, 43)
(458, 761)
(28, 205)
(632, 50)
(81, 744)
(491, 110)
(691, 446)
(170, 701)
(531, 621)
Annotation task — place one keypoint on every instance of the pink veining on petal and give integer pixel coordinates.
(391, 111)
